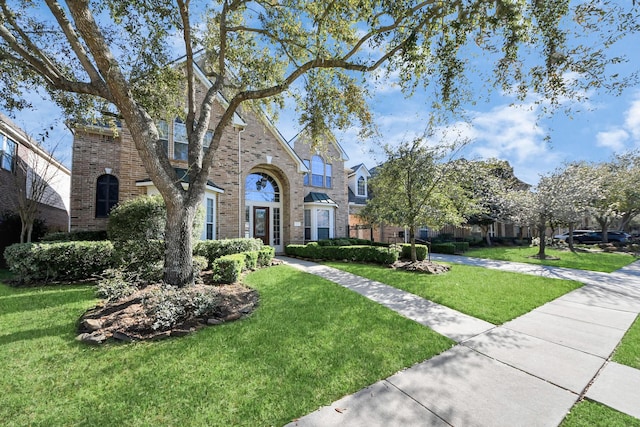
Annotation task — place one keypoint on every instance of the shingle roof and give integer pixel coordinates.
(314, 197)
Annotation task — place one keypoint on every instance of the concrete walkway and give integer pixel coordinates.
(528, 372)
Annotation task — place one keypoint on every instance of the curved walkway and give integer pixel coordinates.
(528, 372)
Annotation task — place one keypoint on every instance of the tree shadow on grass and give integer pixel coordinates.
(31, 299)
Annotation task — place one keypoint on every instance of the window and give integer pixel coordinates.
(163, 135)
(306, 175)
(107, 189)
(7, 153)
(210, 219)
(260, 187)
(180, 141)
(276, 226)
(362, 186)
(323, 223)
(307, 225)
(321, 173)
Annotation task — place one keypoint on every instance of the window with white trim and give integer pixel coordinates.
(362, 186)
(163, 135)
(7, 153)
(210, 219)
(321, 173)
(180, 141)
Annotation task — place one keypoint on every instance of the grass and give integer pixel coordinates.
(593, 261)
(593, 414)
(628, 351)
(308, 343)
(491, 295)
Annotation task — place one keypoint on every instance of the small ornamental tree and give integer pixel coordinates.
(414, 187)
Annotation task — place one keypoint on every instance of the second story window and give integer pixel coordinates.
(362, 186)
(7, 153)
(180, 141)
(320, 173)
(163, 135)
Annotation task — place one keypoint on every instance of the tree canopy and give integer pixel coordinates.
(91, 56)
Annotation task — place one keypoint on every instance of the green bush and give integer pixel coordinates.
(227, 268)
(214, 249)
(352, 253)
(144, 218)
(84, 235)
(421, 251)
(169, 306)
(250, 260)
(265, 256)
(59, 261)
(443, 248)
(461, 246)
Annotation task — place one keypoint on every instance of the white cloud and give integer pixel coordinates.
(632, 118)
(613, 139)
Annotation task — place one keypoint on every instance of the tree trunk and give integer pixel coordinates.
(570, 238)
(487, 238)
(178, 258)
(604, 226)
(412, 237)
(542, 228)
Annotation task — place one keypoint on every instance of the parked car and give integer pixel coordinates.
(576, 233)
(596, 237)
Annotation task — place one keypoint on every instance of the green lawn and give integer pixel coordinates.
(309, 343)
(491, 295)
(593, 261)
(593, 414)
(628, 351)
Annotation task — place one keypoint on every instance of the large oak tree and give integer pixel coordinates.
(95, 55)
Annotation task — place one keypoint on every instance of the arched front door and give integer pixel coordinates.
(263, 209)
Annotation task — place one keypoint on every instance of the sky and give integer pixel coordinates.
(499, 127)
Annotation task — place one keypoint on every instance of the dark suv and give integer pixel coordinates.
(596, 237)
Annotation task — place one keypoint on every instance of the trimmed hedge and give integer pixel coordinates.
(461, 246)
(214, 249)
(82, 235)
(358, 253)
(227, 268)
(421, 251)
(265, 256)
(59, 261)
(443, 248)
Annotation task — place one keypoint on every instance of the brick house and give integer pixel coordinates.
(25, 165)
(260, 186)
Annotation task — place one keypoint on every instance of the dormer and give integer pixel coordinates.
(358, 182)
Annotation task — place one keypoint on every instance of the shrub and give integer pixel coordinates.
(144, 218)
(250, 260)
(443, 248)
(461, 246)
(352, 253)
(116, 284)
(421, 251)
(140, 256)
(84, 235)
(227, 268)
(59, 261)
(214, 249)
(265, 256)
(169, 306)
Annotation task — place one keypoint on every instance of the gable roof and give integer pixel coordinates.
(332, 139)
(359, 166)
(239, 122)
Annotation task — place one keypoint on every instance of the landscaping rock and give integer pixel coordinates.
(426, 267)
(92, 324)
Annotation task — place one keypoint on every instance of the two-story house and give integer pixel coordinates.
(260, 185)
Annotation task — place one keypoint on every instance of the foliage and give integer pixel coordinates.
(141, 218)
(443, 248)
(46, 262)
(114, 56)
(62, 236)
(367, 253)
(169, 305)
(265, 256)
(227, 268)
(214, 249)
(142, 257)
(116, 284)
(10, 226)
(421, 252)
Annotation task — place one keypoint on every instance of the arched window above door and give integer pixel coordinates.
(261, 187)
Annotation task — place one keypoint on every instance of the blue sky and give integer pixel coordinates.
(500, 127)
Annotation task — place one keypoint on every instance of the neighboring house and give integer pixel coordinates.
(358, 188)
(26, 167)
(261, 186)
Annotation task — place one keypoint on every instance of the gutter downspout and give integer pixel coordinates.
(240, 191)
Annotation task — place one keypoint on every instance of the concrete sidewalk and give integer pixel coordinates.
(527, 372)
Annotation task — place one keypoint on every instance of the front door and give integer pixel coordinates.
(261, 224)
